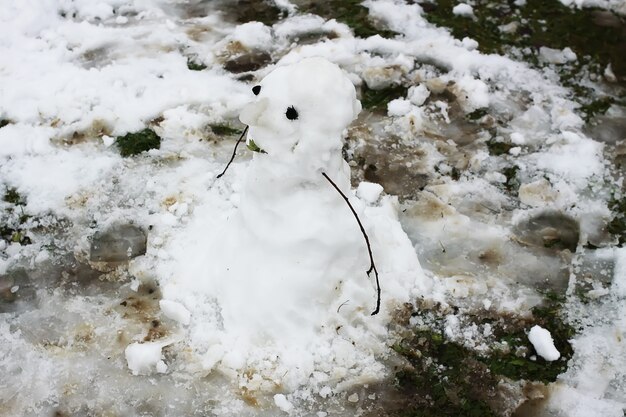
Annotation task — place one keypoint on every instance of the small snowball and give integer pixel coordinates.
(254, 35)
(543, 343)
(518, 138)
(142, 358)
(515, 150)
(14, 289)
(107, 140)
(369, 191)
(556, 56)
(325, 392)
(418, 94)
(354, 398)
(469, 43)
(398, 107)
(281, 402)
(487, 304)
(161, 367)
(609, 74)
(175, 311)
(463, 9)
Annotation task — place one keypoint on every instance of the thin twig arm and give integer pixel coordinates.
(367, 241)
(232, 158)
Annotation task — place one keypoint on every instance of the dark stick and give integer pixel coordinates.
(367, 241)
(232, 158)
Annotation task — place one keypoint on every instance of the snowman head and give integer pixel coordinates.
(301, 107)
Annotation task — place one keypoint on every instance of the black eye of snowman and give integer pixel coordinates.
(256, 90)
(291, 113)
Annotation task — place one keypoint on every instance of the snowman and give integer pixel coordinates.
(297, 256)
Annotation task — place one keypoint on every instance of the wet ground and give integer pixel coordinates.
(468, 235)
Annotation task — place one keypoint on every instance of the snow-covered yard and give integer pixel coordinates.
(501, 158)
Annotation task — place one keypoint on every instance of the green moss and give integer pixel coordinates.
(477, 114)
(545, 23)
(10, 234)
(512, 183)
(617, 226)
(498, 148)
(12, 196)
(448, 379)
(138, 142)
(194, 65)
(350, 12)
(224, 130)
(599, 106)
(376, 100)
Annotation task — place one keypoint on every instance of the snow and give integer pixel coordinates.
(543, 343)
(463, 9)
(144, 358)
(175, 311)
(369, 191)
(556, 56)
(398, 107)
(70, 85)
(281, 402)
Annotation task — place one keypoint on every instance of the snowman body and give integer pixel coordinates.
(286, 254)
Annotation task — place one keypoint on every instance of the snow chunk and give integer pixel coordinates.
(543, 343)
(369, 191)
(175, 311)
(398, 107)
(556, 56)
(144, 358)
(463, 9)
(254, 35)
(418, 94)
(283, 403)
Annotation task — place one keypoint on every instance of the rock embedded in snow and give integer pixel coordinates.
(463, 9)
(175, 311)
(117, 244)
(541, 340)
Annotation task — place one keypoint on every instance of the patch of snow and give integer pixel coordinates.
(463, 9)
(541, 340)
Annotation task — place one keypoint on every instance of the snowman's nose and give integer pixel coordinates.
(252, 112)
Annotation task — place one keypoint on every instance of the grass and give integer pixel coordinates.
(350, 12)
(448, 379)
(194, 65)
(224, 130)
(617, 226)
(135, 143)
(550, 24)
(376, 100)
